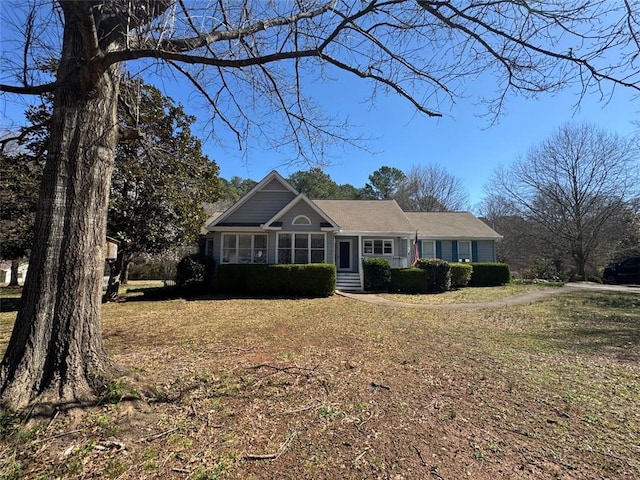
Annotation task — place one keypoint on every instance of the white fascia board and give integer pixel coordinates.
(449, 237)
(376, 233)
(237, 229)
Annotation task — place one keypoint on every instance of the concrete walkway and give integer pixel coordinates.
(526, 298)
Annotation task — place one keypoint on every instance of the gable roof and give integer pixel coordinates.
(450, 225)
(302, 198)
(273, 176)
(375, 216)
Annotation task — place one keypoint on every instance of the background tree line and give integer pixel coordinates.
(566, 208)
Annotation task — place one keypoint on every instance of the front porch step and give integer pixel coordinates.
(348, 282)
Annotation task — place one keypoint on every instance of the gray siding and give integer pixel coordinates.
(402, 247)
(275, 185)
(271, 247)
(260, 208)
(331, 247)
(486, 251)
(217, 243)
(447, 251)
(301, 208)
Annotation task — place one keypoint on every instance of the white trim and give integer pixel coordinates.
(305, 220)
(373, 252)
(376, 234)
(360, 269)
(449, 237)
(254, 229)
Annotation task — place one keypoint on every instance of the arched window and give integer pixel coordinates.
(301, 220)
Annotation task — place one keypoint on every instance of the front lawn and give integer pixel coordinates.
(337, 388)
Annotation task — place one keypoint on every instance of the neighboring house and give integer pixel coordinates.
(273, 223)
(5, 272)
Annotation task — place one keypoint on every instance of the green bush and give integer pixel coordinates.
(308, 280)
(489, 274)
(439, 274)
(460, 274)
(195, 269)
(409, 280)
(377, 274)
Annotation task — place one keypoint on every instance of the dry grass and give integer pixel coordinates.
(336, 388)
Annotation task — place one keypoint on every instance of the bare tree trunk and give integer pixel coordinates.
(55, 354)
(113, 285)
(15, 266)
(124, 275)
(118, 275)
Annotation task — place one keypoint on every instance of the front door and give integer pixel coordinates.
(344, 254)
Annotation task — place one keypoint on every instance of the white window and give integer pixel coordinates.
(428, 249)
(378, 247)
(244, 248)
(301, 248)
(301, 220)
(464, 251)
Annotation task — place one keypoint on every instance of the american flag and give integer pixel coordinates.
(416, 253)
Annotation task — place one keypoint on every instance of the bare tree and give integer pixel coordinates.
(430, 188)
(574, 187)
(518, 246)
(251, 61)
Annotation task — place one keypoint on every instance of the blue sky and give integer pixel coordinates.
(464, 141)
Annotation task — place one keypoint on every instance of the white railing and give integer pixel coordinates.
(395, 262)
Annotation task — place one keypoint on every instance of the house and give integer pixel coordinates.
(5, 272)
(273, 223)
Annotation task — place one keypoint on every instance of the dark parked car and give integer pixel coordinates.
(626, 270)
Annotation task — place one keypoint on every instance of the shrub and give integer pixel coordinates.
(312, 280)
(439, 274)
(409, 280)
(377, 274)
(460, 274)
(489, 274)
(195, 269)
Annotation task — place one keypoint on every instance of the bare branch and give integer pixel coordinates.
(28, 89)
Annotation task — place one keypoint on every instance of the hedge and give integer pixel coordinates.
(377, 274)
(304, 280)
(460, 274)
(489, 274)
(439, 278)
(409, 280)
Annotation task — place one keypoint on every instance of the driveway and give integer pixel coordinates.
(607, 288)
(515, 300)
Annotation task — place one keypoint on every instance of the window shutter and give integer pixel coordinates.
(474, 251)
(438, 249)
(454, 251)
